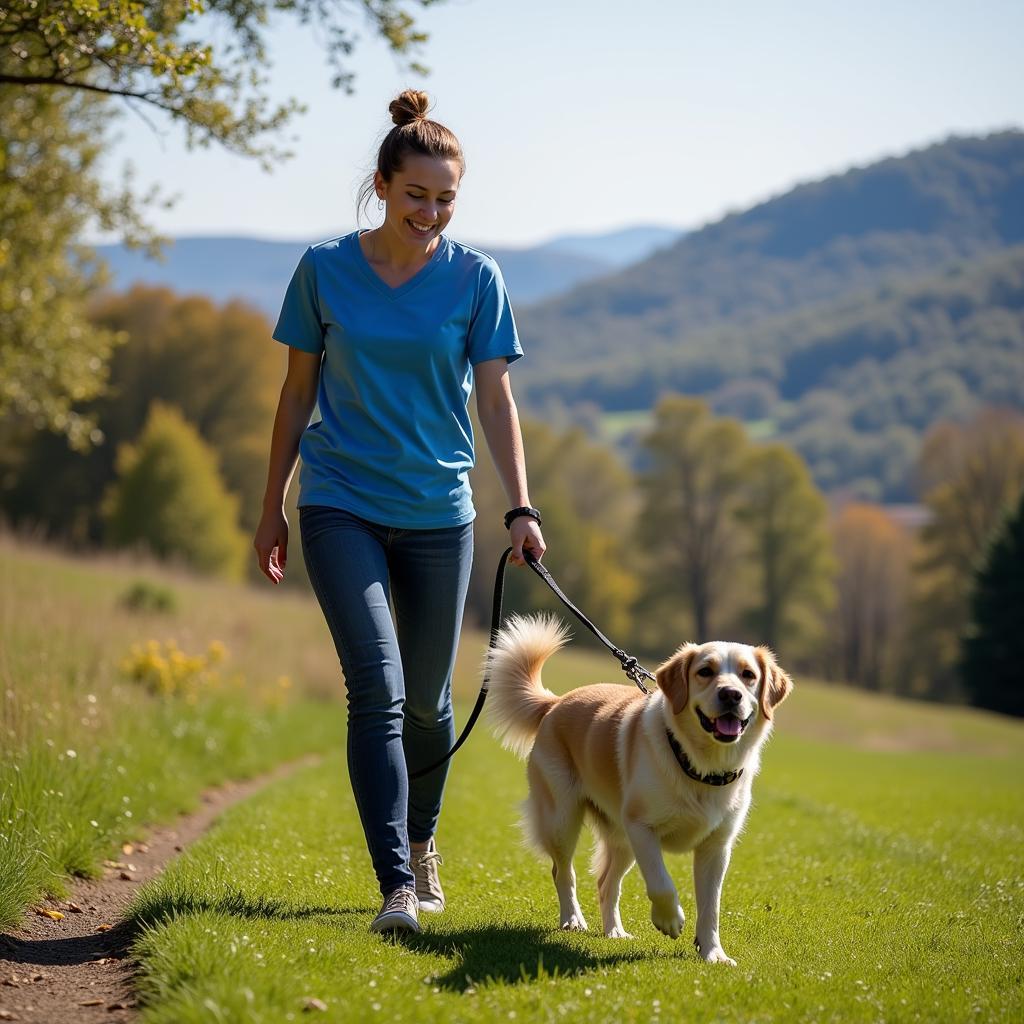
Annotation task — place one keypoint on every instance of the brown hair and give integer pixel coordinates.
(414, 132)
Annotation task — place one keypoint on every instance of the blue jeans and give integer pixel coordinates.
(398, 672)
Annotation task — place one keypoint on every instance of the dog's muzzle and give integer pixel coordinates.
(725, 728)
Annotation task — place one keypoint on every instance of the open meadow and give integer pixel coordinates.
(881, 876)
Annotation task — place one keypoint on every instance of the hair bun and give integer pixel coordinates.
(411, 105)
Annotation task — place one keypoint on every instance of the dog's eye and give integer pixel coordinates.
(748, 674)
(705, 672)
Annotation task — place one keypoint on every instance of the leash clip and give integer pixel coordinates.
(635, 672)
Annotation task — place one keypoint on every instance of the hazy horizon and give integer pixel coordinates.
(666, 115)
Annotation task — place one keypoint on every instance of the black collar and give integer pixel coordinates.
(715, 779)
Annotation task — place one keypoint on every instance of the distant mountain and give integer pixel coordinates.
(616, 248)
(258, 270)
(747, 311)
(224, 268)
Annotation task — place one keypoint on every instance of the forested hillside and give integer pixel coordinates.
(848, 314)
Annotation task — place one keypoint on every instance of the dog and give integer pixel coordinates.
(670, 771)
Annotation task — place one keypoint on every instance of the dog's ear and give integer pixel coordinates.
(775, 684)
(674, 677)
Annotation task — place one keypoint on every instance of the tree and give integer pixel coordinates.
(970, 475)
(990, 665)
(785, 519)
(873, 554)
(216, 364)
(169, 498)
(140, 51)
(61, 66)
(52, 359)
(687, 523)
(585, 496)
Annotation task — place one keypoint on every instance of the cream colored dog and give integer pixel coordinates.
(672, 770)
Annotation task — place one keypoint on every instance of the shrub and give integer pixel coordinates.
(143, 596)
(169, 498)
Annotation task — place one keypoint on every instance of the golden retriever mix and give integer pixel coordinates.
(672, 770)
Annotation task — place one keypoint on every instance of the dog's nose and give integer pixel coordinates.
(729, 695)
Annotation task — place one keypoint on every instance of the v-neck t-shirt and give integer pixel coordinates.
(394, 442)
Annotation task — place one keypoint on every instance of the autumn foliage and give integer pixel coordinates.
(169, 498)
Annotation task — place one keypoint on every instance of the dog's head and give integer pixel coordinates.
(724, 687)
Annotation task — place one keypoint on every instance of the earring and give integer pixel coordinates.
(380, 204)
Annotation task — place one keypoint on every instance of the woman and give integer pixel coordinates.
(388, 330)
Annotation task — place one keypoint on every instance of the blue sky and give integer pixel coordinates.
(585, 117)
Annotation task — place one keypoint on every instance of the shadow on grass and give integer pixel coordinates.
(515, 954)
(154, 910)
(512, 954)
(151, 912)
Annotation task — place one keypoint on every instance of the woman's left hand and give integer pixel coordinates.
(524, 532)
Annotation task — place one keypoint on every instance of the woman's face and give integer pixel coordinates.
(420, 198)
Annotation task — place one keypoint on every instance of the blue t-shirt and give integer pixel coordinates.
(394, 443)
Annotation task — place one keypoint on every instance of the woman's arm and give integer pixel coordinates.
(500, 421)
(298, 396)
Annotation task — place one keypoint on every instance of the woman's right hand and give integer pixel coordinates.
(271, 544)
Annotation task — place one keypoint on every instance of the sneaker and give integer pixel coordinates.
(399, 913)
(428, 886)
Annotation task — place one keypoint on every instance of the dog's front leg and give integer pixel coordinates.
(666, 913)
(710, 862)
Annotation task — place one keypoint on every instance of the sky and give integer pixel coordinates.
(587, 117)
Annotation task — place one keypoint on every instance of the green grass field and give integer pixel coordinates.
(88, 756)
(870, 885)
(880, 876)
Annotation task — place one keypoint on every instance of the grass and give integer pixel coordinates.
(880, 877)
(63, 811)
(870, 885)
(89, 757)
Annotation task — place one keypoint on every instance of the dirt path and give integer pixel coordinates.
(72, 972)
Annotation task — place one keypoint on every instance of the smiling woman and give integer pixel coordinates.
(388, 330)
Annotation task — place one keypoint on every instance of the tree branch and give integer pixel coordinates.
(127, 93)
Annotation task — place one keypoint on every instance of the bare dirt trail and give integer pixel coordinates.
(77, 970)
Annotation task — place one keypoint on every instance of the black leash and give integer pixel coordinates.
(635, 672)
(633, 669)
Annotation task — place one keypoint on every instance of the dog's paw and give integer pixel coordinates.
(715, 955)
(574, 923)
(618, 932)
(667, 916)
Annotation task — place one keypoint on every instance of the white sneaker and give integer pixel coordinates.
(428, 885)
(400, 912)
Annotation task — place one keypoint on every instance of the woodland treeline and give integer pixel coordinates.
(847, 318)
(717, 535)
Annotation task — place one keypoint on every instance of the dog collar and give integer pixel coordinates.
(715, 779)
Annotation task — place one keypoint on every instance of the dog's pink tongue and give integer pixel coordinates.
(728, 726)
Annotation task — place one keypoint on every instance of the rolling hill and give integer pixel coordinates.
(847, 314)
(258, 270)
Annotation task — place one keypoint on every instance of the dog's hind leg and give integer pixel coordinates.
(554, 815)
(563, 839)
(613, 857)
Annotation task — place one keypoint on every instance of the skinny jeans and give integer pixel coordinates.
(398, 669)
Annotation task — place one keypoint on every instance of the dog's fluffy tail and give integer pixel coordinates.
(518, 700)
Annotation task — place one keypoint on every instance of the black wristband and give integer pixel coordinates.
(523, 510)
